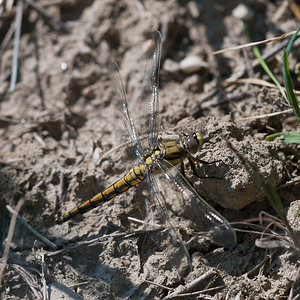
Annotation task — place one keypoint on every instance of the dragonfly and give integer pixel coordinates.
(158, 166)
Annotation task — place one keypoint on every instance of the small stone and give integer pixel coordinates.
(192, 64)
(63, 66)
(126, 262)
(106, 165)
(242, 12)
(60, 291)
(89, 92)
(191, 83)
(171, 66)
(194, 9)
(97, 156)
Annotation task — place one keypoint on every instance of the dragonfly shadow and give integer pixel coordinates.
(113, 264)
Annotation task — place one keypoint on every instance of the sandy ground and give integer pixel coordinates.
(61, 120)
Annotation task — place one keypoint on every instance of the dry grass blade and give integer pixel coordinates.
(43, 279)
(30, 228)
(294, 8)
(39, 139)
(157, 284)
(266, 243)
(18, 22)
(278, 113)
(9, 4)
(142, 222)
(255, 81)
(265, 236)
(30, 280)
(179, 291)
(9, 239)
(201, 294)
(205, 100)
(294, 286)
(261, 263)
(61, 291)
(283, 36)
(7, 38)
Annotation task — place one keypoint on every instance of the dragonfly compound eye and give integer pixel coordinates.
(194, 142)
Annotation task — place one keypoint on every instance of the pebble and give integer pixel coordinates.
(191, 83)
(171, 66)
(97, 156)
(194, 9)
(191, 64)
(106, 165)
(242, 12)
(59, 291)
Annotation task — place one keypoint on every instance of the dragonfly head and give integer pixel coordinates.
(194, 141)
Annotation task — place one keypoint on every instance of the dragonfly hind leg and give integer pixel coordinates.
(192, 161)
(193, 167)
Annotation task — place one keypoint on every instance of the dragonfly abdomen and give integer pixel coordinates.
(130, 179)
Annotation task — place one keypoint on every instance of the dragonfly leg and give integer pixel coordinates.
(193, 169)
(204, 162)
(182, 169)
(192, 161)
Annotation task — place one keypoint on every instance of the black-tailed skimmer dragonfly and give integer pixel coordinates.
(158, 166)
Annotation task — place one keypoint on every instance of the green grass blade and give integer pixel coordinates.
(289, 137)
(289, 85)
(293, 38)
(263, 63)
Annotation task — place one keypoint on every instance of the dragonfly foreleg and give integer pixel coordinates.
(182, 169)
(192, 161)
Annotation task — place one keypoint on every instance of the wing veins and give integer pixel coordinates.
(221, 231)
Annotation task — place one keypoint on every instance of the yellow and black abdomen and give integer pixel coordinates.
(172, 151)
(132, 178)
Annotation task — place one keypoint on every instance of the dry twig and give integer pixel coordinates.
(58, 24)
(9, 238)
(30, 280)
(18, 23)
(30, 228)
(179, 291)
(277, 38)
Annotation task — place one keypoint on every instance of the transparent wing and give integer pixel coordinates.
(140, 113)
(182, 198)
(161, 240)
(125, 113)
(154, 102)
(144, 101)
(175, 250)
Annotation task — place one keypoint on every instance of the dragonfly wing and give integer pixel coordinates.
(154, 102)
(125, 113)
(144, 102)
(166, 237)
(182, 198)
(163, 216)
(140, 114)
